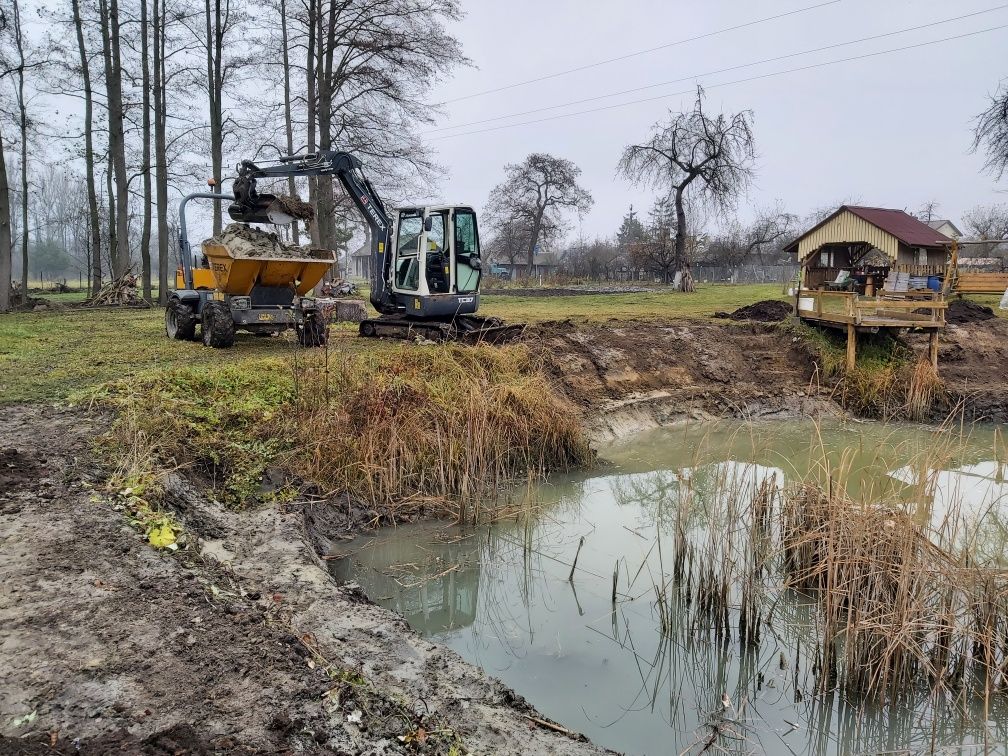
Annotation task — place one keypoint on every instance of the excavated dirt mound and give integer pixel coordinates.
(964, 311)
(767, 311)
(247, 241)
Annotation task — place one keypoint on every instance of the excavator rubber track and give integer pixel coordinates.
(466, 329)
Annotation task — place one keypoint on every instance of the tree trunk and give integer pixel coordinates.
(534, 240)
(109, 12)
(145, 233)
(682, 259)
(6, 242)
(23, 124)
(112, 242)
(160, 149)
(311, 71)
(324, 220)
(215, 85)
(94, 221)
(291, 184)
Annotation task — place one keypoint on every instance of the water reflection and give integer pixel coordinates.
(592, 652)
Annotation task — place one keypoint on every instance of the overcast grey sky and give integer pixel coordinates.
(892, 130)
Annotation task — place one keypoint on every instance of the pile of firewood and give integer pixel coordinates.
(118, 292)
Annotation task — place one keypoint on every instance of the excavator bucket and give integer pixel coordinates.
(251, 207)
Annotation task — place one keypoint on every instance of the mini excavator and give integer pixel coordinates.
(425, 265)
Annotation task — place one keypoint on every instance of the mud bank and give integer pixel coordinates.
(633, 376)
(238, 643)
(629, 376)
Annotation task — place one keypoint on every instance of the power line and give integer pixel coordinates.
(721, 70)
(727, 83)
(642, 52)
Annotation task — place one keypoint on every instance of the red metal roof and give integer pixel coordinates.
(903, 226)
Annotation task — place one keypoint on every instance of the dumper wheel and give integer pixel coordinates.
(180, 321)
(218, 326)
(313, 333)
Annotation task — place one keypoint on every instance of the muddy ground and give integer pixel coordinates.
(241, 643)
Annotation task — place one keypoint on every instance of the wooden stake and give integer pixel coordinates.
(851, 346)
(933, 349)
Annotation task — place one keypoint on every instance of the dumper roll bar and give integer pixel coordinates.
(343, 166)
(185, 251)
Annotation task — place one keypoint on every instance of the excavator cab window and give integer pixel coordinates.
(407, 263)
(438, 271)
(467, 252)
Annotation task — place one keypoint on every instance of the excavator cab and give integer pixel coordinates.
(436, 266)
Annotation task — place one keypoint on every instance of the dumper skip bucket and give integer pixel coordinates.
(237, 275)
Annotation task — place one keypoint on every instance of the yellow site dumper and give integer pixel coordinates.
(250, 280)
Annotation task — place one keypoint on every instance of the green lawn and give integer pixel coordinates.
(658, 305)
(48, 355)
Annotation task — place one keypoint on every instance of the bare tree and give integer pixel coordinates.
(222, 20)
(95, 275)
(991, 132)
(710, 156)
(288, 118)
(145, 234)
(22, 106)
(738, 244)
(928, 211)
(160, 23)
(369, 67)
(6, 240)
(988, 222)
(537, 192)
(108, 11)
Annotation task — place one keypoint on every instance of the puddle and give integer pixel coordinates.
(500, 594)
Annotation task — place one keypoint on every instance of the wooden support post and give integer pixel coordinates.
(851, 346)
(933, 349)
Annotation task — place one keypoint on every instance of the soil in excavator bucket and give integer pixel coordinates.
(242, 257)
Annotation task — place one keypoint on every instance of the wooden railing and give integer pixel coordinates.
(886, 309)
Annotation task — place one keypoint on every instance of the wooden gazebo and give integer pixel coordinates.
(868, 268)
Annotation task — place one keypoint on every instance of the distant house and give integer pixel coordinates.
(360, 263)
(544, 265)
(946, 227)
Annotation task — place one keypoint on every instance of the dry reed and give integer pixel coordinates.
(900, 603)
(447, 424)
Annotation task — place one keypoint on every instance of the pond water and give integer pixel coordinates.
(501, 594)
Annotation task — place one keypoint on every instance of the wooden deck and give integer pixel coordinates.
(925, 310)
(853, 312)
